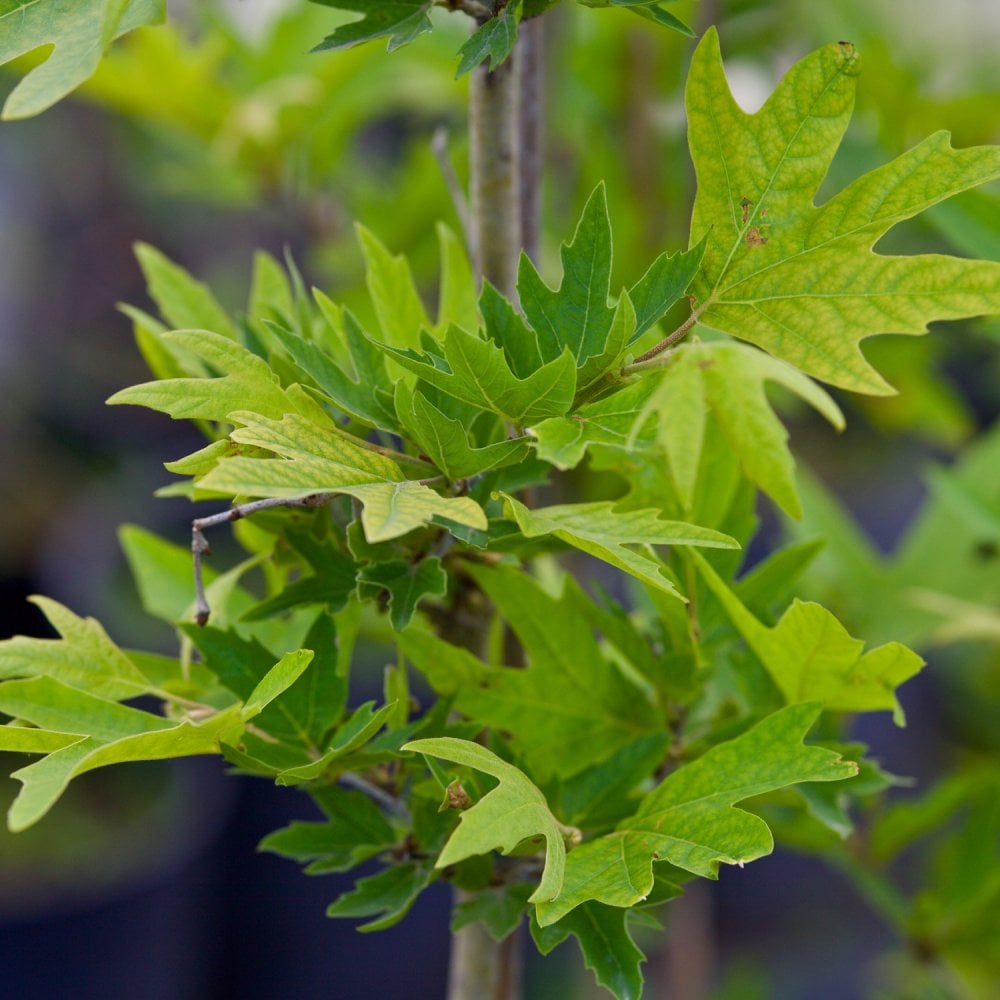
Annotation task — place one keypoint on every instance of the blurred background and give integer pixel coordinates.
(220, 134)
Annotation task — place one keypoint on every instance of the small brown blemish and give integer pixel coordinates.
(706, 363)
(456, 797)
(746, 204)
(754, 238)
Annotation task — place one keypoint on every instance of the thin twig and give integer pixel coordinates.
(388, 802)
(480, 11)
(200, 547)
(439, 146)
(643, 361)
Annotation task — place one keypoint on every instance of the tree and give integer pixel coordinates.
(582, 759)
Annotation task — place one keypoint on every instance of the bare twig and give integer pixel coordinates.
(439, 146)
(480, 11)
(200, 547)
(379, 795)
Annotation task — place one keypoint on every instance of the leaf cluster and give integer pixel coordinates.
(580, 758)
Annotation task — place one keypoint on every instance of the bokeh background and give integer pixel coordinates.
(221, 134)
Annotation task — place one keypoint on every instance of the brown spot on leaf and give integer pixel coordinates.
(754, 238)
(456, 797)
(746, 204)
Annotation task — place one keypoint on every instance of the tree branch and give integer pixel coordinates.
(200, 547)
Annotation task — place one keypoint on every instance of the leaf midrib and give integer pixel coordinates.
(753, 216)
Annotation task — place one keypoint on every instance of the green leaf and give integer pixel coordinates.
(292, 707)
(316, 460)
(276, 681)
(80, 31)
(353, 733)
(512, 812)
(506, 328)
(662, 286)
(657, 14)
(183, 302)
(494, 40)
(606, 945)
(499, 910)
(247, 378)
(55, 706)
(401, 20)
(85, 657)
(570, 707)
(331, 583)
(728, 380)
(811, 656)
(601, 530)
(689, 819)
(800, 281)
(576, 316)
(361, 393)
(610, 422)
(445, 440)
(28, 739)
(388, 895)
(398, 306)
(448, 669)
(476, 372)
(271, 295)
(354, 831)
(162, 573)
(407, 584)
(109, 733)
(604, 792)
(457, 295)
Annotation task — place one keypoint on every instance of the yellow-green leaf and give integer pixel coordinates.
(800, 281)
(502, 819)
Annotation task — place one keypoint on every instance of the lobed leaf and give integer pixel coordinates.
(605, 943)
(576, 316)
(184, 302)
(811, 657)
(601, 530)
(245, 377)
(445, 440)
(689, 819)
(727, 379)
(512, 812)
(387, 896)
(318, 460)
(570, 707)
(800, 281)
(84, 657)
(400, 20)
(493, 40)
(475, 371)
(407, 584)
(80, 32)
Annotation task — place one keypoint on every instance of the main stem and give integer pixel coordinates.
(495, 171)
(504, 199)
